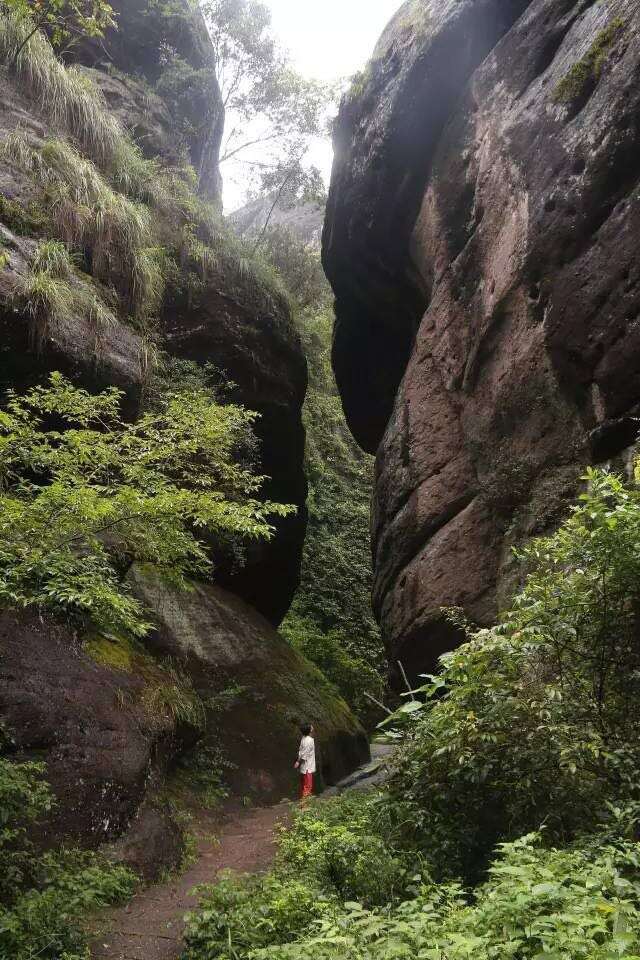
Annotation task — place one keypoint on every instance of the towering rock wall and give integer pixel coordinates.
(91, 707)
(481, 240)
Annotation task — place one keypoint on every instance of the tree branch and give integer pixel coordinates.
(248, 143)
(287, 179)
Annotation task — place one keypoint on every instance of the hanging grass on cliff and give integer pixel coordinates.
(83, 494)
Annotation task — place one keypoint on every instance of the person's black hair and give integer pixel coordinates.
(306, 729)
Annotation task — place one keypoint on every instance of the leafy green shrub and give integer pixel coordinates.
(576, 904)
(343, 661)
(240, 914)
(536, 720)
(45, 896)
(23, 799)
(80, 502)
(201, 773)
(339, 846)
(331, 852)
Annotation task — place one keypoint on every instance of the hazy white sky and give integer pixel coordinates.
(327, 39)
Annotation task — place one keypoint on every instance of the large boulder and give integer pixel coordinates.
(63, 704)
(226, 646)
(481, 238)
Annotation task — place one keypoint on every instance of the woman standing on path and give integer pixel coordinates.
(306, 762)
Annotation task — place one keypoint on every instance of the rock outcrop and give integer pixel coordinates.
(98, 711)
(481, 239)
(162, 48)
(86, 719)
(225, 644)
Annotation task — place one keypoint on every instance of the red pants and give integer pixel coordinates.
(306, 785)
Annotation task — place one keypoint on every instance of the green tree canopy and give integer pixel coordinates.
(273, 112)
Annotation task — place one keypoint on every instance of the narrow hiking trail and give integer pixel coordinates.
(151, 925)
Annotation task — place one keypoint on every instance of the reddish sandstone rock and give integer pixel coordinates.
(482, 238)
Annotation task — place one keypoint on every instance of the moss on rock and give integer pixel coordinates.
(588, 69)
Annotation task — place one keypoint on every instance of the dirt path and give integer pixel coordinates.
(150, 926)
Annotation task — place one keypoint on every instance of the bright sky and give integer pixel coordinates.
(327, 39)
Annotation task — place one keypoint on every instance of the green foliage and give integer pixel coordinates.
(175, 697)
(45, 897)
(106, 229)
(23, 799)
(51, 294)
(67, 96)
(23, 219)
(586, 72)
(239, 914)
(300, 270)
(343, 658)
(535, 720)
(201, 775)
(339, 846)
(64, 21)
(46, 297)
(576, 904)
(81, 500)
(330, 620)
(330, 853)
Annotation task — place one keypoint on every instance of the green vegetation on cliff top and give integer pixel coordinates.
(584, 74)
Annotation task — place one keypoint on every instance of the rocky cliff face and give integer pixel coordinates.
(481, 239)
(152, 276)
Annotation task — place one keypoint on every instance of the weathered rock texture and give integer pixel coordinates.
(90, 707)
(481, 239)
(224, 644)
(104, 752)
(145, 39)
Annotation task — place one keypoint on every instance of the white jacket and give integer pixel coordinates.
(307, 755)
